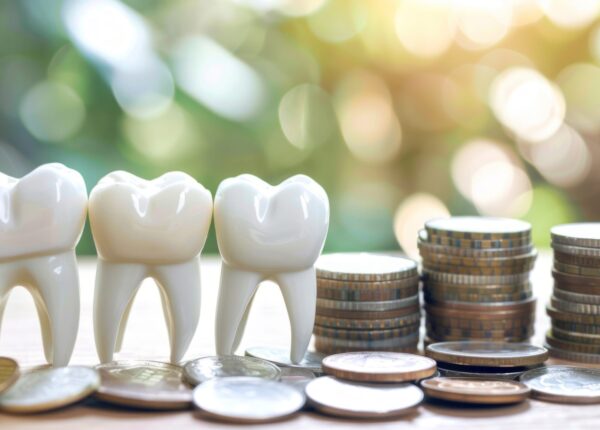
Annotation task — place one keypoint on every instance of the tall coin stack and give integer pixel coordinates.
(476, 279)
(574, 308)
(366, 302)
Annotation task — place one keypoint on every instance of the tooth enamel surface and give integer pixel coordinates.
(146, 229)
(268, 232)
(41, 220)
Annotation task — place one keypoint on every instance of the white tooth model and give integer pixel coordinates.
(269, 232)
(41, 220)
(146, 229)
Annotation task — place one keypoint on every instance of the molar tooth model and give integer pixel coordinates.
(148, 229)
(268, 232)
(41, 220)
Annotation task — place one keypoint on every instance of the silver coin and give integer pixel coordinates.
(478, 226)
(452, 278)
(397, 342)
(576, 250)
(362, 400)
(386, 305)
(49, 388)
(480, 372)
(564, 384)
(359, 266)
(592, 299)
(585, 234)
(205, 368)
(247, 399)
(281, 357)
(296, 377)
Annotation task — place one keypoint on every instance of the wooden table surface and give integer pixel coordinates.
(146, 338)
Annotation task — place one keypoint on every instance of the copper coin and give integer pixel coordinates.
(476, 391)
(365, 315)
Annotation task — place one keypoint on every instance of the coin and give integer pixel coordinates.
(365, 335)
(444, 311)
(504, 323)
(523, 260)
(296, 377)
(476, 391)
(481, 353)
(388, 305)
(397, 342)
(564, 384)
(323, 345)
(205, 368)
(362, 400)
(47, 389)
(591, 299)
(583, 348)
(475, 271)
(368, 295)
(436, 338)
(361, 315)
(576, 250)
(522, 306)
(477, 244)
(452, 278)
(572, 317)
(9, 373)
(571, 269)
(144, 384)
(578, 234)
(364, 267)
(573, 356)
(367, 324)
(245, 399)
(476, 227)
(578, 308)
(574, 327)
(570, 279)
(452, 370)
(402, 283)
(519, 332)
(424, 244)
(470, 299)
(379, 366)
(577, 260)
(571, 336)
(484, 289)
(281, 357)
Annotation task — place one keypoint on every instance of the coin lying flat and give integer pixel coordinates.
(476, 391)
(564, 384)
(493, 354)
(49, 388)
(144, 384)
(482, 228)
(378, 366)
(355, 399)
(205, 368)
(364, 267)
(452, 370)
(9, 373)
(247, 399)
(579, 234)
(281, 357)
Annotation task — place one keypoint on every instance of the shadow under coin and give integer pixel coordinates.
(465, 410)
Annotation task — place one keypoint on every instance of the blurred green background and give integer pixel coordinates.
(402, 110)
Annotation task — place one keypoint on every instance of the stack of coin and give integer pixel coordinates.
(366, 302)
(476, 279)
(575, 304)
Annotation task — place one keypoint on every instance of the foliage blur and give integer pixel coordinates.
(402, 109)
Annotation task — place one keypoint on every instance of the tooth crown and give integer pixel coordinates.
(271, 228)
(41, 213)
(164, 220)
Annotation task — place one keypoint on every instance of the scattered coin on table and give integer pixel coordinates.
(337, 397)
(9, 373)
(475, 391)
(205, 368)
(379, 366)
(247, 399)
(144, 384)
(49, 388)
(564, 384)
(492, 354)
(281, 357)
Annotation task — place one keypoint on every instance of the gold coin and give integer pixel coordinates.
(427, 247)
(9, 373)
(376, 324)
(572, 336)
(49, 388)
(488, 354)
(352, 266)
(369, 295)
(361, 315)
(365, 335)
(379, 366)
(578, 234)
(144, 384)
(572, 317)
(476, 391)
(583, 348)
(480, 228)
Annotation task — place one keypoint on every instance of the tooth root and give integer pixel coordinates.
(122, 326)
(44, 324)
(116, 285)
(242, 327)
(299, 290)
(235, 293)
(180, 292)
(56, 283)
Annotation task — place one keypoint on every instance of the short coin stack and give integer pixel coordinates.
(575, 304)
(366, 302)
(476, 279)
